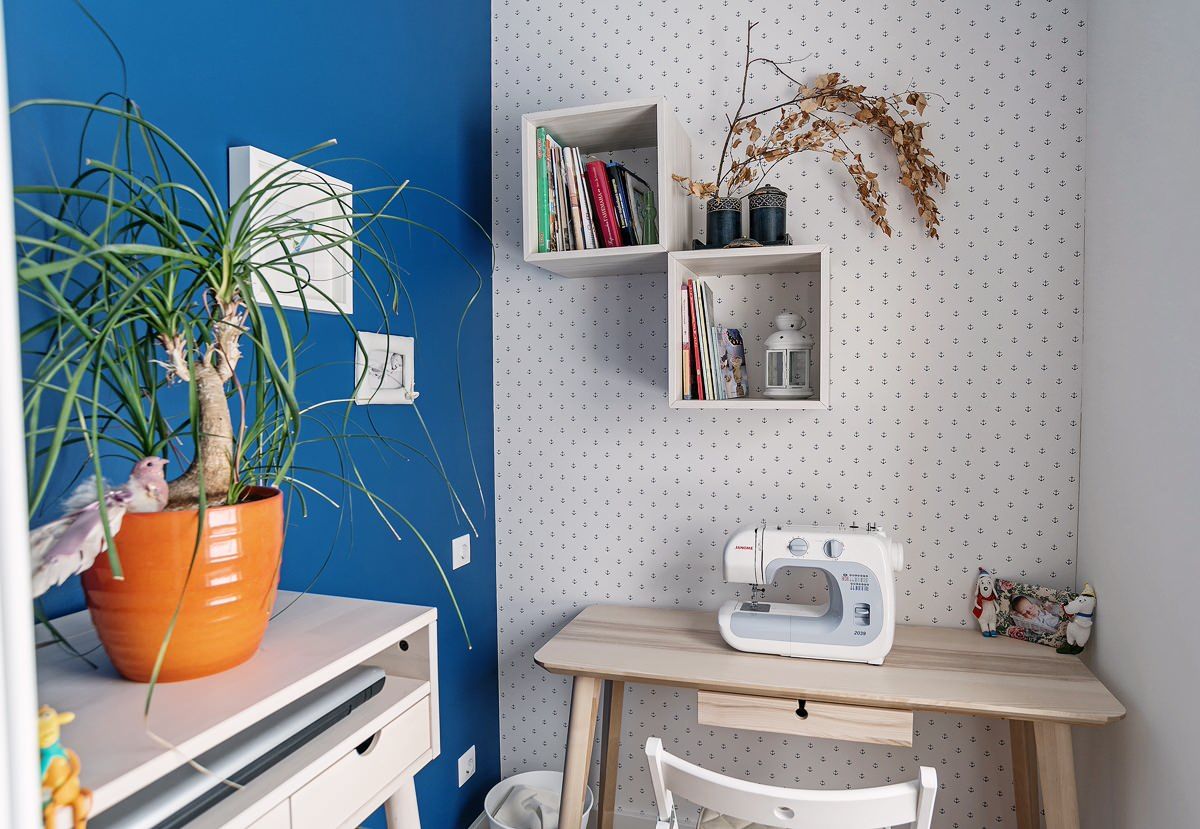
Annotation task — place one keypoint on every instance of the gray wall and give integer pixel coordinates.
(1141, 394)
(956, 380)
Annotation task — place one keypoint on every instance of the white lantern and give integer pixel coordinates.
(789, 360)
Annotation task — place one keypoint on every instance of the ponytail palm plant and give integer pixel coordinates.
(149, 339)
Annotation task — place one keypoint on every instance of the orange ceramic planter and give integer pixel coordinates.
(227, 601)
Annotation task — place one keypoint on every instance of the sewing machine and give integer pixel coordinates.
(856, 625)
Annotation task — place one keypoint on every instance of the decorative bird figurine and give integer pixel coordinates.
(70, 545)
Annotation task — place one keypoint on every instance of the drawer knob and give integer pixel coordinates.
(801, 711)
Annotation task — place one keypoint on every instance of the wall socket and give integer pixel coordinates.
(461, 552)
(466, 766)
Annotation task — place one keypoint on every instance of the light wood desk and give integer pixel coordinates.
(1041, 693)
(343, 774)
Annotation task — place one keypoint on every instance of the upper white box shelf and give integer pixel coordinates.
(599, 129)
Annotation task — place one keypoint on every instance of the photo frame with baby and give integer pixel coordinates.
(1032, 613)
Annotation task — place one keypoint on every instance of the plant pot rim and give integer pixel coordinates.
(254, 496)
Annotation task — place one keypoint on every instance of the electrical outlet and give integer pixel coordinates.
(461, 552)
(466, 766)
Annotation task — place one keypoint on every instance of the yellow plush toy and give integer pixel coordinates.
(60, 772)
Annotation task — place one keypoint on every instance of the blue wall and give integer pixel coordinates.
(405, 85)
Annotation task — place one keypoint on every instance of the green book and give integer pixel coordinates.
(543, 203)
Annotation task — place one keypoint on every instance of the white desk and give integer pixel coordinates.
(326, 783)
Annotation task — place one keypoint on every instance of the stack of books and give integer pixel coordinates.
(584, 203)
(714, 357)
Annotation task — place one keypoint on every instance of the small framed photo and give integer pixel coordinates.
(1032, 613)
(384, 374)
(324, 279)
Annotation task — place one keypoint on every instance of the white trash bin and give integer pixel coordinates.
(548, 780)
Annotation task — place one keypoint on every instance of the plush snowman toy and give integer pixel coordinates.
(1081, 610)
(985, 602)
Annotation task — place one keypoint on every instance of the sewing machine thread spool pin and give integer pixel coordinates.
(801, 711)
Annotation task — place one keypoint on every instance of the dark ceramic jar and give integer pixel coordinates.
(768, 215)
(723, 221)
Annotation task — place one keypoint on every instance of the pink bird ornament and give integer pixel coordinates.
(71, 544)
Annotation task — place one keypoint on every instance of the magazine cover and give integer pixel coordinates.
(645, 215)
(1032, 613)
(733, 364)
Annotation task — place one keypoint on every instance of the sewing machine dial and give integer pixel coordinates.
(833, 548)
(798, 546)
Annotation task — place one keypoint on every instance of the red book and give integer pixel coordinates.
(606, 215)
(696, 365)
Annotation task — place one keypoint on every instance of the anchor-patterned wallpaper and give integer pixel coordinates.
(955, 362)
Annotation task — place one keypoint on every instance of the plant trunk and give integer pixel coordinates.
(214, 444)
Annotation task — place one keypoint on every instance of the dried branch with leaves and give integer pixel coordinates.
(817, 118)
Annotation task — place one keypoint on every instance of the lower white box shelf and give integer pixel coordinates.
(751, 286)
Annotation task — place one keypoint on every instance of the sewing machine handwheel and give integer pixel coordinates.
(801, 711)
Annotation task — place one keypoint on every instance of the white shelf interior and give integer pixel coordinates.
(750, 287)
(645, 135)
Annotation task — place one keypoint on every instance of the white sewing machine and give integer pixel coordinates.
(857, 624)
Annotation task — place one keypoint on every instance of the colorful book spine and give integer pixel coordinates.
(686, 326)
(705, 348)
(585, 203)
(603, 202)
(616, 179)
(564, 211)
(714, 337)
(543, 203)
(709, 323)
(697, 368)
(573, 198)
(554, 236)
(635, 216)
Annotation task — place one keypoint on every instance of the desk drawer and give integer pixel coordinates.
(342, 789)
(830, 721)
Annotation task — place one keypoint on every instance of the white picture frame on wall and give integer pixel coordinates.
(385, 372)
(330, 287)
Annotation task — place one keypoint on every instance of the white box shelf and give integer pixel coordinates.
(793, 277)
(601, 129)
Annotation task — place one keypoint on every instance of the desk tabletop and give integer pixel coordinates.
(929, 669)
(309, 644)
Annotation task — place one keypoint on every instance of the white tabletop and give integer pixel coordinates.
(313, 641)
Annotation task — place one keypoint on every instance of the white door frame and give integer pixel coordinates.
(19, 783)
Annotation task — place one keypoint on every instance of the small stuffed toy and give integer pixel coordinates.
(60, 772)
(1079, 629)
(985, 602)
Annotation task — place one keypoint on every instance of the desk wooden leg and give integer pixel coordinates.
(610, 750)
(1056, 771)
(581, 731)
(1025, 773)
(401, 808)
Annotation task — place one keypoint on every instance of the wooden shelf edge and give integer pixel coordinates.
(537, 118)
(751, 404)
(743, 253)
(633, 260)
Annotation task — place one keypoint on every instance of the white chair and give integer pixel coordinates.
(774, 806)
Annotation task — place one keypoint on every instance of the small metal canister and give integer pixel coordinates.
(724, 221)
(768, 215)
